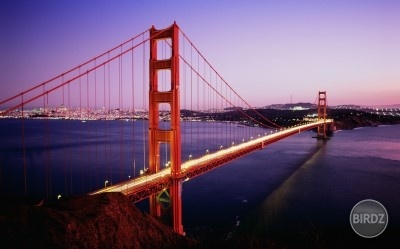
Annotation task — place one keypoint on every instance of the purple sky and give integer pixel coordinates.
(267, 50)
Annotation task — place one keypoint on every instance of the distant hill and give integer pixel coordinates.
(306, 106)
(385, 106)
(294, 106)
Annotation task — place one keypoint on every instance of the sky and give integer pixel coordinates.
(268, 51)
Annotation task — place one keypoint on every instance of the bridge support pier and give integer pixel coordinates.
(155, 207)
(176, 195)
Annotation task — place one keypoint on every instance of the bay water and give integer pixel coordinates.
(300, 189)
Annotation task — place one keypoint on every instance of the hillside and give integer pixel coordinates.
(100, 221)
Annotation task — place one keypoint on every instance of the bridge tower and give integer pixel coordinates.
(173, 135)
(322, 129)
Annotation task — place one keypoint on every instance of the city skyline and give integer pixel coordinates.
(285, 51)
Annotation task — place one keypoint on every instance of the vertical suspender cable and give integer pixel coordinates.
(133, 113)
(204, 101)
(109, 169)
(144, 106)
(23, 145)
(80, 130)
(121, 125)
(184, 86)
(227, 137)
(96, 164)
(217, 108)
(44, 143)
(70, 156)
(46, 139)
(198, 100)
(88, 112)
(65, 144)
(105, 120)
(123, 112)
(191, 99)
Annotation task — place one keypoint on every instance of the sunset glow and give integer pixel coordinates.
(268, 51)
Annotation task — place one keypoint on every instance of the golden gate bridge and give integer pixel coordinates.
(153, 76)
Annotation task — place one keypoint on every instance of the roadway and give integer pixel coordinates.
(142, 187)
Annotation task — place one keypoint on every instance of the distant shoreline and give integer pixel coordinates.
(345, 119)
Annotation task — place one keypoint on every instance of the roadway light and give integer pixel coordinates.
(243, 140)
(220, 147)
(251, 138)
(58, 197)
(190, 156)
(207, 151)
(129, 177)
(141, 172)
(233, 143)
(105, 183)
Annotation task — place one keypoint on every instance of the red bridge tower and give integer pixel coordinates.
(173, 135)
(322, 114)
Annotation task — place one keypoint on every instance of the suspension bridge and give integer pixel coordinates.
(160, 78)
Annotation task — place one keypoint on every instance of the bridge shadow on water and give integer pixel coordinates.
(264, 224)
(269, 212)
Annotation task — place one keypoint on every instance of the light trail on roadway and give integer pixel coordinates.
(138, 184)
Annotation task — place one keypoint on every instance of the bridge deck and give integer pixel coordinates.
(142, 187)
